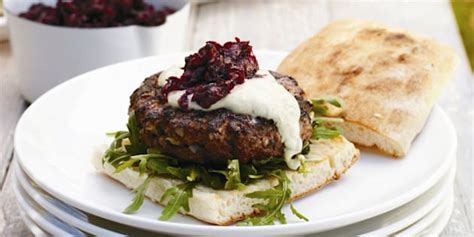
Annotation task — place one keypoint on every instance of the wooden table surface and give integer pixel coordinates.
(281, 25)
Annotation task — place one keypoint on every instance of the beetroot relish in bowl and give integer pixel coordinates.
(97, 13)
(212, 72)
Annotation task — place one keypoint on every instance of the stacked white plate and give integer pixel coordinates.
(60, 193)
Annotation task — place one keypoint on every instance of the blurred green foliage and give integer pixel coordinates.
(464, 12)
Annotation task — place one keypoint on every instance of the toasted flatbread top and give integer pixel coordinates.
(388, 78)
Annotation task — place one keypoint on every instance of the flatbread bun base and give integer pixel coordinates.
(329, 160)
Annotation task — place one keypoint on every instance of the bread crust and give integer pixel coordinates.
(389, 78)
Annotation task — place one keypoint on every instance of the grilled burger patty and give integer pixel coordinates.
(211, 137)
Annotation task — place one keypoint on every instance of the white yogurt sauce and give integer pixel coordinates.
(173, 71)
(260, 97)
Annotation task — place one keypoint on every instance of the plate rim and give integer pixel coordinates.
(185, 228)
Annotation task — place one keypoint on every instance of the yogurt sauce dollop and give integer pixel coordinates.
(259, 97)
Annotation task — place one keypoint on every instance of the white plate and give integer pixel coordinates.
(382, 225)
(59, 134)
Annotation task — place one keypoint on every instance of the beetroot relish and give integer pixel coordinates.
(97, 13)
(212, 72)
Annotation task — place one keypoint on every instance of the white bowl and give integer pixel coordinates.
(47, 55)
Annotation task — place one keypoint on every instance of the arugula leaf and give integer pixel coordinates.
(142, 166)
(305, 149)
(248, 173)
(207, 178)
(321, 120)
(267, 166)
(158, 166)
(119, 159)
(139, 197)
(115, 149)
(163, 165)
(233, 179)
(275, 197)
(297, 213)
(119, 150)
(193, 175)
(136, 146)
(142, 159)
(327, 106)
(336, 101)
(176, 197)
(232, 175)
(325, 132)
(319, 109)
(302, 169)
(125, 165)
(181, 173)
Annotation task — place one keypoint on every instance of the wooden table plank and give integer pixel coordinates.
(12, 106)
(266, 23)
(458, 224)
(11, 223)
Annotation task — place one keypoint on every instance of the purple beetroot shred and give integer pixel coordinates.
(212, 72)
(97, 13)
